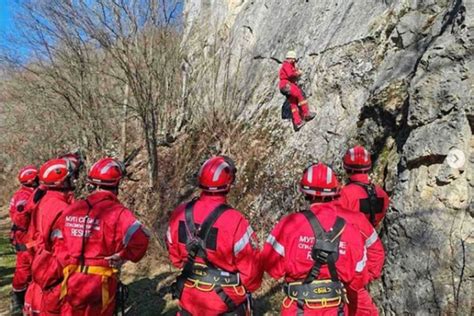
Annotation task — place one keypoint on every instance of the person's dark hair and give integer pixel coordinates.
(91, 188)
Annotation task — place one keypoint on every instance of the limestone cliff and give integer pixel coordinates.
(395, 76)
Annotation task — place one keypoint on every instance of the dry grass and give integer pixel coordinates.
(7, 263)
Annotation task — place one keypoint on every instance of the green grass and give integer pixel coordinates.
(7, 267)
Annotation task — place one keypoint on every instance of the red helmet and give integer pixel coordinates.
(217, 174)
(55, 172)
(106, 172)
(28, 175)
(76, 161)
(357, 159)
(319, 180)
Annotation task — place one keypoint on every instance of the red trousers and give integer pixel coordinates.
(360, 303)
(50, 304)
(84, 296)
(33, 300)
(22, 275)
(42, 303)
(87, 310)
(208, 303)
(298, 103)
(289, 308)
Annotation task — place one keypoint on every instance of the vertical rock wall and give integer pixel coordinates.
(395, 76)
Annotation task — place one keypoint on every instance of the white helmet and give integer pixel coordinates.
(291, 54)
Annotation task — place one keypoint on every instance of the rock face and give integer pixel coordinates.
(395, 76)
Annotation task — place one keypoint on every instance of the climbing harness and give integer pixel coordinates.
(372, 204)
(311, 292)
(206, 277)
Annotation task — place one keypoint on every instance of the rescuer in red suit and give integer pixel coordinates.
(360, 301)
(54, 195)
(288, 86)
(28, 178)
(360, 194)
(91, 240)
(316, 251)
(214, 246)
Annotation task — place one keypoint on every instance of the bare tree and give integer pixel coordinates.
(85, 52)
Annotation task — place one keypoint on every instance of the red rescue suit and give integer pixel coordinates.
(287, 254)
(360, 301)
(43, 216)
(233, 250)
(289, 87)
(20, 219)
(354, 196)
(87, 232)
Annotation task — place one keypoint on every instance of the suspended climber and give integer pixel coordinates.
(289, 75)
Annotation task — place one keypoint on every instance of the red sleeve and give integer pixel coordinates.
(355, 259)
(49, 219)
(135, 237)
(375, 255)
(343, 201)
(19, 216)
(273, 254)
(346, 202)
(247, 256)
(48, 263)
(172, 237)
(386, 200)
(288, 71)
(59, 247)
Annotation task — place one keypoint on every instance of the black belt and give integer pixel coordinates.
(241, 310)
(204, 275)
(206, 279)
(321, 293)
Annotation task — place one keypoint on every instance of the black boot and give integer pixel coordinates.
(310, 116)
(297, 127)
(17, 302)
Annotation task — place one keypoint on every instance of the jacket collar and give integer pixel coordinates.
(60, 195)
(101, 195)
(360, 177)
(209, 197)
(27, 189)
(316, 207)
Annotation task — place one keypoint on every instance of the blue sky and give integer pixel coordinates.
(6, 19)
(7, 29)
(8, 33)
